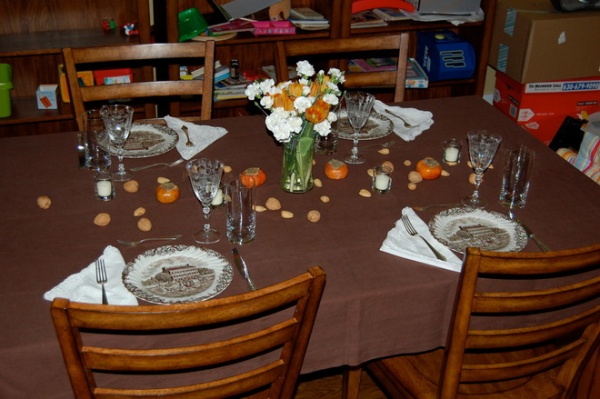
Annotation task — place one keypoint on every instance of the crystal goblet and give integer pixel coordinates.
(358, 109)
(482, 148)
(205, 177)
(118, 118)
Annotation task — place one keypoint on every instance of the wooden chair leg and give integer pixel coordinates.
(351, 382)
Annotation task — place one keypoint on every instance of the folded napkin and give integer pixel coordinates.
(201, 135)
(82, 286)
(398, 242)
(420, 120)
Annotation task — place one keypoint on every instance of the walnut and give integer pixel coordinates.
(144, 224)
(131, 186)
(44, 201)
(314, 216)
(273, 204)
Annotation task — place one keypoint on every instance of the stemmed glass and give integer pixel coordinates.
(358, 108)
(482, 148)
(205, 177)
(117, 118)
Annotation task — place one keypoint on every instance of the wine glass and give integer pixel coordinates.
(358, 108)
(205, 177)
(482, 148)
(117, 118)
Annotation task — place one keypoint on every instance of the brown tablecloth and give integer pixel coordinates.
(375, 304)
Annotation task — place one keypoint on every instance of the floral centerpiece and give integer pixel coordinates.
(297, 111)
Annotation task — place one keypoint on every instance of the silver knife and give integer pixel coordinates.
(539, 242)
(241, 265)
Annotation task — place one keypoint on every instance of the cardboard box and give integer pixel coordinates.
(46, 96)
(113, 76)
(531, 42)
(447, 6)
(85, 78)
(541, 107)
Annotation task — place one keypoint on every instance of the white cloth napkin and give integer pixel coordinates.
(398, 242)
(82, 286)
(201, 135)
(420, 120)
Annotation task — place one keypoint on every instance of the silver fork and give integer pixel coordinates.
(138, 242)
(384, 145)
(101, 278)
(168, 164)
(411, 230)
(406, 124)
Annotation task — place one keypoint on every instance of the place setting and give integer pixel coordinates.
(443, 240)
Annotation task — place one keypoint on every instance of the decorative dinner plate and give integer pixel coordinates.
(177, 274)
(459, 228)
(376, 127)
(147, 140)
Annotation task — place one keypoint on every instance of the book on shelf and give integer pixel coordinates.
(310, 25)
(197, 73)
(416, 78)
(236, 25)
(391, 14)
(366, 19)
(306, 14)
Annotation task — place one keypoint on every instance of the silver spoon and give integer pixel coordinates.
(189, 142)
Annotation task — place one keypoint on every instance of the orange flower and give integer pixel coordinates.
(295, 89)
(284, 101)
(317, 112)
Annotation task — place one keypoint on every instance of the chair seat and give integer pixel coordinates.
(419, 376)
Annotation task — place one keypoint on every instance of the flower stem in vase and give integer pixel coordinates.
(296, 175)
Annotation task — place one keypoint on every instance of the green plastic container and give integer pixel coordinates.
(5, 86)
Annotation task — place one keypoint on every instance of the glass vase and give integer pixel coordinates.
(296, 174)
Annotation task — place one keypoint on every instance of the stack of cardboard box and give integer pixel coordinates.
(547, 64)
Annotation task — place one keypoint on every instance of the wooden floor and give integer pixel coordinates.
(328, 385)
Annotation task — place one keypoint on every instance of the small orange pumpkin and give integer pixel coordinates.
(429, 168)
(257, 174)
(336, 170)
(167, 193)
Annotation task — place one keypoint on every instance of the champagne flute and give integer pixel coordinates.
(117, 118)
(358, 108)
(205, 177)
(482, 148)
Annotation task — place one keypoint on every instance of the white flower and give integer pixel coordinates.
(305, 69)
(323, 128)
(287, 124)
(301, 103)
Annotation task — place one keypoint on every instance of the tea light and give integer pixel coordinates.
(218, 199)
(452, 152)
(103, 186)
(382, 182)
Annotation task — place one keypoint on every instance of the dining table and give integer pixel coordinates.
(375, 303)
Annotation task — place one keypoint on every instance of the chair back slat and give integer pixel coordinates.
(263, 333)
(149, 59)
(345, 48)
(541, 313)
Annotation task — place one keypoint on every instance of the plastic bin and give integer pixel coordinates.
(5, 86)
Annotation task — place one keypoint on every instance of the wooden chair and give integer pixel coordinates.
(546, 311)
(347, 48)
(147, 57)
(196, 338)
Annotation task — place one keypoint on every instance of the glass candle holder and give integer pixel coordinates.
(451, 155)
(382, 181)
(103, 186)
